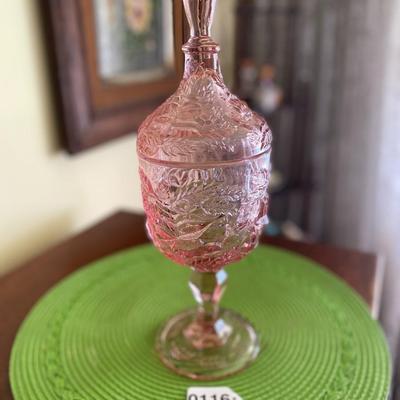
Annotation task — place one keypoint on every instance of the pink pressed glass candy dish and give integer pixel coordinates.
(204, 168)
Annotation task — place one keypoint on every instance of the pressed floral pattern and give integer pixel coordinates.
(204, 170)
(203, 122)
(206, 217)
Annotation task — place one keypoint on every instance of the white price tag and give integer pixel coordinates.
(211, 393)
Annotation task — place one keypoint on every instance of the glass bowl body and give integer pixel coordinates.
(204, 170)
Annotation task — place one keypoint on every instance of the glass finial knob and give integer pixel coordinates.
(200, 16)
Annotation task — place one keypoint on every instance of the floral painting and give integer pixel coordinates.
(134, 39)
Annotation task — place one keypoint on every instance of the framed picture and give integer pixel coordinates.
(116, 60)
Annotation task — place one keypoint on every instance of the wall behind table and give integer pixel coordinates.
(46, 195)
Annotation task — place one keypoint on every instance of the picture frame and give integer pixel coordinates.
(104, 95)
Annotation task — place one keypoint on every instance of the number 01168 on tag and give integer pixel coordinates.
(220, 393)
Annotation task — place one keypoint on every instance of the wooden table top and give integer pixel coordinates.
(20, 289)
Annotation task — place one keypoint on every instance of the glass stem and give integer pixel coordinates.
(208, 289)
(208, 329)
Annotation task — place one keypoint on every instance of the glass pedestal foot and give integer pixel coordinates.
(204, 349)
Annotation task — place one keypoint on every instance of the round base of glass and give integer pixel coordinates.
(207, 351)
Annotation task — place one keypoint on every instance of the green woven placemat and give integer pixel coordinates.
(92, 336)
